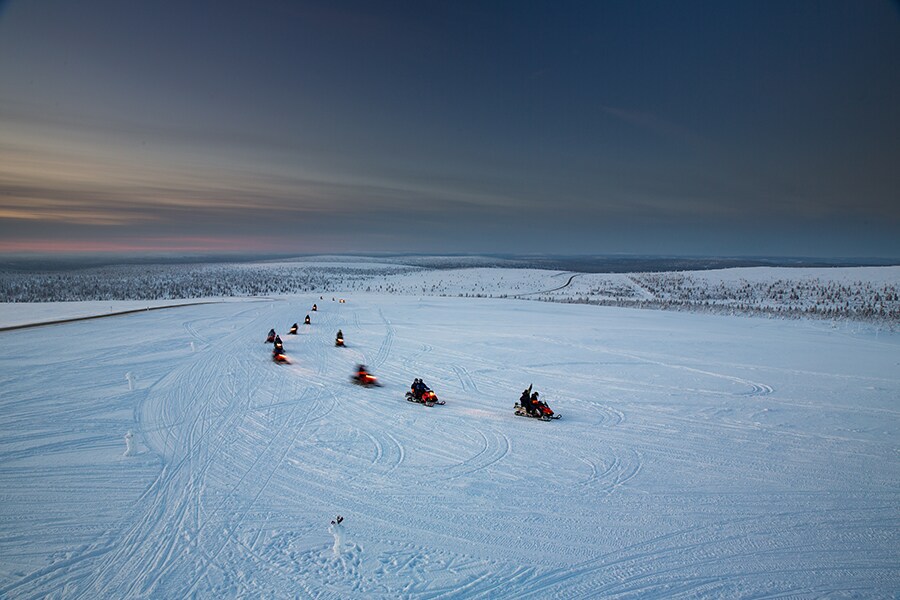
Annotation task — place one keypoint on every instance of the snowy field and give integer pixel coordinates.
(698, 455)
(13, 314)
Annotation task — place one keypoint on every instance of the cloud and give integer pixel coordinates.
(96, 187)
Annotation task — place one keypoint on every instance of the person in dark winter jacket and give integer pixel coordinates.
(525, 400)
(418, 388)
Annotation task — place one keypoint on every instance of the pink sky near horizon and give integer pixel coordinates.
(163, 245)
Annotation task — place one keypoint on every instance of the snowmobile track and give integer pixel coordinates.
(685, 465)
(385, 349)
(465, 379)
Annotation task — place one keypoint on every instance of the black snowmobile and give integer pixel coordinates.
(339, 340)
(271, 337)
(306, 320)
(294, 328)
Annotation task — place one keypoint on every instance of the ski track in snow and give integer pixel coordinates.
(672, 472)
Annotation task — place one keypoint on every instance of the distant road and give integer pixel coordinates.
(103, 316)
(556, 289)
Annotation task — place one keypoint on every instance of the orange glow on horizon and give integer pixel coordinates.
(190, 244)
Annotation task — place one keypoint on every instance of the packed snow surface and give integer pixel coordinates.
(18, 314)
(697, 455)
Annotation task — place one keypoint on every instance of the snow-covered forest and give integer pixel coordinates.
(869, 294)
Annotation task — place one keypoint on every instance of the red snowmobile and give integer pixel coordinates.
(421, 393)
(271, 337)
(278, 354)
(364, 378)
(426, 397)
(339, 341)
(540, 411)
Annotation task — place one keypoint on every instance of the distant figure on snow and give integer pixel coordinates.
(129, 444)
(337, 530)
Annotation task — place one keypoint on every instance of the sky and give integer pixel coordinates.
(744, 128)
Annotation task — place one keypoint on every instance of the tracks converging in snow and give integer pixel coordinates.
(675, 471)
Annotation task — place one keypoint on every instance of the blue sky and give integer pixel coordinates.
(710, 128)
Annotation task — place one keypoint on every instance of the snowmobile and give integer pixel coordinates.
(428, 398)
(271, 337)
(293, 330)
(364, 378)
(279, 356)
(315, 308)
(339, 341)
(306, 320)
(543, 412)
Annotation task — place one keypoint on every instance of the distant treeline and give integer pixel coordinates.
(852, 300)
(577, 263)
(175, 281)
(803, 296)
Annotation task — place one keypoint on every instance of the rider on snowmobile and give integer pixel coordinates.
(525, 401)
(418, 388)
